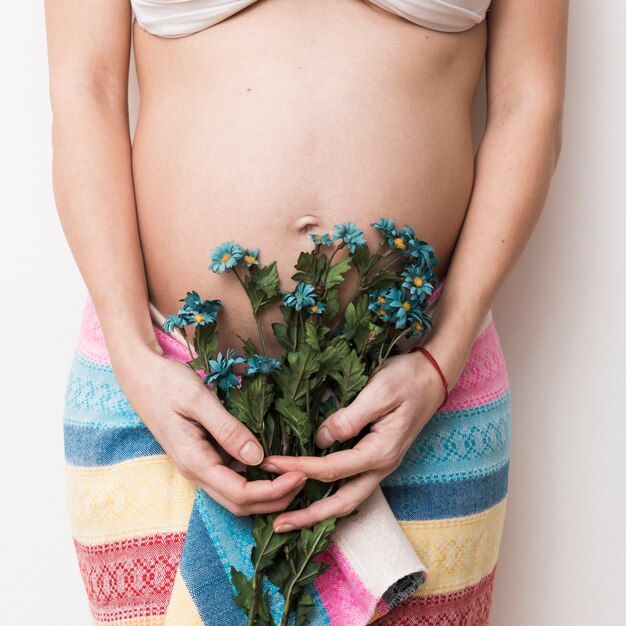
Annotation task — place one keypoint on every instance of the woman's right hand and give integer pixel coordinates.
(180, 411)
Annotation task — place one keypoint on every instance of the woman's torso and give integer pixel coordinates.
(286, 119)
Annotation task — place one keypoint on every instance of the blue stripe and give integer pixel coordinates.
(88, 446)
(209, 586)
(458, 444)
(444, 500)
(93, 396)
(232, 541)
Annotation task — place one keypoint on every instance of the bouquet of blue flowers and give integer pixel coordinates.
(330, 352)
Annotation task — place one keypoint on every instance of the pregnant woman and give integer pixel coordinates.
(263, 122)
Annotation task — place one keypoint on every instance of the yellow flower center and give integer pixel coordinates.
(398, 242)
(249, 259)
(381, 300)
(226, 257)
(418, 326)
(314, 308)
(382, 312)
(406, 306)
(417, 281)
(198, 317)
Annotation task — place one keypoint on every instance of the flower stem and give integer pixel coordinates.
(183, 330)
(255, 315)
(256, 582)
(292, 583)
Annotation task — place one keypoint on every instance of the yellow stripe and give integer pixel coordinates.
(138, 497)
(457, 552)
(181, 609)
(154, 620)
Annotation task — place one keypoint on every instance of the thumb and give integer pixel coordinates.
(227, 430)
(349, 421)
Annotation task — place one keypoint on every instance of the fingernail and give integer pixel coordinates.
(285, 528)
(324, 438)
(252, 453)
(268, 467)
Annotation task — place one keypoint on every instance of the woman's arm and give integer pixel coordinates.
(514, 165)
(88, 52)
(525, 69)
(89, 48)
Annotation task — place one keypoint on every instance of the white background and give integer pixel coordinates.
(561, 318)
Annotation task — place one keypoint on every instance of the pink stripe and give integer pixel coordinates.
(484, 377)
(346, 600)
(92, 345)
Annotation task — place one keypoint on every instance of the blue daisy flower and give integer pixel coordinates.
(251, 257)
(172, 322)
(418, 323)
(379, 303)
(197, 311)
(258, 364)
(350, 234)
(385, 226)
(221, 371)
(225, 257)
(317, 309)
(322, 240)
(401, 239)
(304, 295)
(402, 304)
(416, 280)
(423, 252)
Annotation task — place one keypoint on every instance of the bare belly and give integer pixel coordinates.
(287, 119)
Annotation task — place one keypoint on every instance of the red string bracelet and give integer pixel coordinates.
(431, 358)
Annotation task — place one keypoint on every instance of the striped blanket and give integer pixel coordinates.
(154, 550)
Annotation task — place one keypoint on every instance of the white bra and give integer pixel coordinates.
(177, 18)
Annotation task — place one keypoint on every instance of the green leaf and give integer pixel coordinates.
(336, 272)
(296, 419)
(198, 363)
(264, 616)
(205, 342)
(279, 573)
(311, 337)
(305, 267)
(331, 357)
(303, 608)
(314, 490)
(249, 349)
(299, 367)
(351, 378)
(266, 279)
(313, 541)
(251, 402)
(367, 335)
(313, 569)
(384, 280)
(244, 586)
(331, 298)
(268, 543)
(262, 286)
(361, 258)
(286, 335)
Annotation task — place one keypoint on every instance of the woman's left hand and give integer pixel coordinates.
(397, 401)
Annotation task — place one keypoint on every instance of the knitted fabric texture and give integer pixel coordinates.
(155, 550)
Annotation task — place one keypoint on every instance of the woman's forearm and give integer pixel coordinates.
(514, 166)
(93, 187)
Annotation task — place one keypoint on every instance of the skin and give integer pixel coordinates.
(281, 121)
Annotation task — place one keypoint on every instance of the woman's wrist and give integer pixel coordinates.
(450, 357)
(130, 337)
